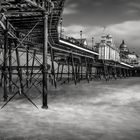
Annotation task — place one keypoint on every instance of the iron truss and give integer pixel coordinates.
(28, 35)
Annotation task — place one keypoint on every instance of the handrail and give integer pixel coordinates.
(76, 42)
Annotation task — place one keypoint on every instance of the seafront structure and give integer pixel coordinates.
(29, 28)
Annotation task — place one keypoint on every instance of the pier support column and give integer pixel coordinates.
(68, 70)
(27, 64)
(5, 96)
(45, 61)
(53, 69)
(81, 71)
(10, 65)
(73, 70)
(58, 67)
(33, 63)
(62, 69)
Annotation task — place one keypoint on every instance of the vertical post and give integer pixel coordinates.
(1, 78)
(106, 72)
(58, 71)
(76, 71)
(5, 62)
(27, 61)
(81, 36)
(120, 72)
(62, 71)
(10, 66)
(87, 69)
(130, 72)
(19, 69)
(115, 73)
(45, 54)
(123, 74)
(73, 70)
(90, 71)
(68, 70)
(61, 30)
(53, 69)
(97, 73)
(81, 70)
(33, 62)
(92, 43)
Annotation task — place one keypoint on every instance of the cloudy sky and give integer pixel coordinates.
(121, 18)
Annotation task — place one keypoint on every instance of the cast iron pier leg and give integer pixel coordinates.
(45, 54)
(10, 66)
(5, 96)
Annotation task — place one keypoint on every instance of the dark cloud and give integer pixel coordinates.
(102, 12)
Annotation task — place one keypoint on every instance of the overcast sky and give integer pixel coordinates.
(121, 18)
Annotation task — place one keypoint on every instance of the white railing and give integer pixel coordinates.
(76, 42)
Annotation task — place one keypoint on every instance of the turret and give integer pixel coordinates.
(123, 47)
(109, 39)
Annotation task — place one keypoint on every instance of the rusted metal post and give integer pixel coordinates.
(45, 62)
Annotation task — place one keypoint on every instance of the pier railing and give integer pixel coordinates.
(77, 42)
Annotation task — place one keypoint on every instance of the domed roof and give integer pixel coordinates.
(123, 45)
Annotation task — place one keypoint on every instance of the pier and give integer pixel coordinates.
(29, 35)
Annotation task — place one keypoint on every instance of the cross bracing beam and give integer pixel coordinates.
(13, 32)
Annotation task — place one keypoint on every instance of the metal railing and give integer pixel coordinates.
(77, 42)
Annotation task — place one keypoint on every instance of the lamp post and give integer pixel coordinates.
(92, 42)
(81, 35)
